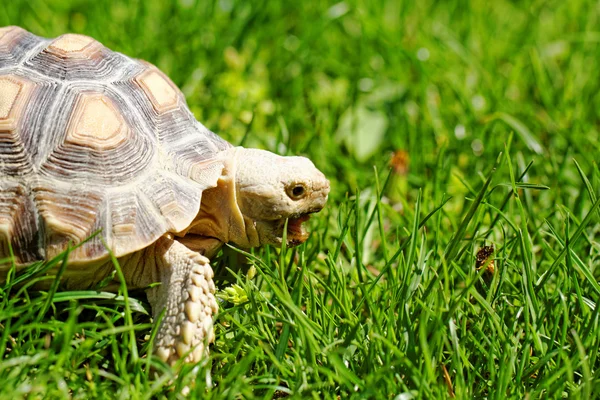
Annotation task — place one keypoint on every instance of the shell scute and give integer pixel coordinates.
(73, 45)
(135, 222)
(173, 197)
(78, 57)
(15, 44)
(71, 214)
(97, 123)
(14, 94)
(160, 91)
(97, 142)
(184, 139)
(18, 223)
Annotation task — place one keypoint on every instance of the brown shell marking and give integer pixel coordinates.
(14, 93)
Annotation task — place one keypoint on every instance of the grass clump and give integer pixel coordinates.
(443, 127)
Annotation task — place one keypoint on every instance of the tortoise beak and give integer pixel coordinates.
(296, 232)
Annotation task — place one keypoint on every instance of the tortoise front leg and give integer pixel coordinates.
(186, 293)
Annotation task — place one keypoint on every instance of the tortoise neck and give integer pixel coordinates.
(220, 216)
(240, 229)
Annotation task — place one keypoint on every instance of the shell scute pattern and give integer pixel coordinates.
(90, 140)
(135, 222)
(96, 123)
(18, 223)
(73, 45)
(14, 95)
(161, 103)
(162, 93)
(15, 43)
(71, 213)
(97, 140)
(77, 57)
(173, 198)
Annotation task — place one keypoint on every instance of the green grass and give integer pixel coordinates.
(493, 111)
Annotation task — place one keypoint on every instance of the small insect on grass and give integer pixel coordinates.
(485, 260)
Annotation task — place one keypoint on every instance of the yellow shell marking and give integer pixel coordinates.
(97, 123)
(13, 91)
(70, 43)
(159, 90)
(9, 90)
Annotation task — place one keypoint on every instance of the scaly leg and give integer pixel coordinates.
(186, 293)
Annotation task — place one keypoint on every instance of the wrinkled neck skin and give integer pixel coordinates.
(220, 216)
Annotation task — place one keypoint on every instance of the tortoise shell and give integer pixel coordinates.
(92, 140)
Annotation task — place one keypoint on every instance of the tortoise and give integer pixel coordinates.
(92, 140)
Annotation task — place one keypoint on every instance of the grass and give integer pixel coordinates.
(444, 127)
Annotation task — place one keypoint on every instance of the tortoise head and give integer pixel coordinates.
(271, 189)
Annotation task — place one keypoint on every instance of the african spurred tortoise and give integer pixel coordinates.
(92, 140)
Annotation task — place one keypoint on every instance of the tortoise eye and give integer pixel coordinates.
(296, 192)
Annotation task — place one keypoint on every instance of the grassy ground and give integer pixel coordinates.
(443, 126)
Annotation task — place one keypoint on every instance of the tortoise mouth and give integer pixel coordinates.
(296, 231)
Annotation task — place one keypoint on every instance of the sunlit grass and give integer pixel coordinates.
(444, 127)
